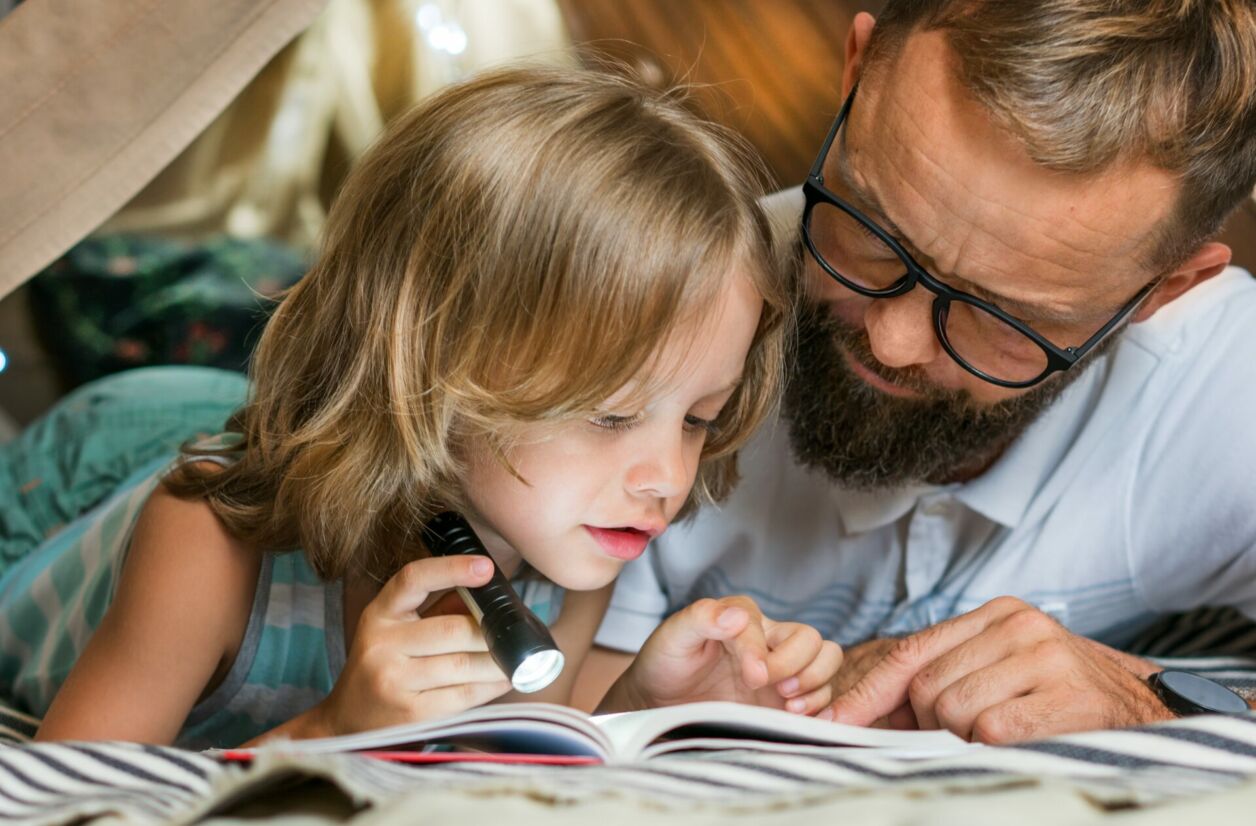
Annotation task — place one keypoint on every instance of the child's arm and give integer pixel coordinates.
(727, 649)
(178, 615)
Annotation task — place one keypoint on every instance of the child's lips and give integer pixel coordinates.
(622, 543)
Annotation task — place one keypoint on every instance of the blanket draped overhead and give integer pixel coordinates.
(99, 97)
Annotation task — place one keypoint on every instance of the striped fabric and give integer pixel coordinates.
(57, 783)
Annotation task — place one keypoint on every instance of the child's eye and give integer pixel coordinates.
(610, 422)
(708, 426)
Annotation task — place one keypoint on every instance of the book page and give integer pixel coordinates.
(732, 725)
(519, 728)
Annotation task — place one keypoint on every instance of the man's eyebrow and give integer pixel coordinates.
(867, 202)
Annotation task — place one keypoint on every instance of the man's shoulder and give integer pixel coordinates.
(783, 210)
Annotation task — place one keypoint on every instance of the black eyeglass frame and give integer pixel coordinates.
(1058, 358)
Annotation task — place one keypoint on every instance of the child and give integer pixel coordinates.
(544, 299)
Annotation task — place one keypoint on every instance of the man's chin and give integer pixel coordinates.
(863, 436)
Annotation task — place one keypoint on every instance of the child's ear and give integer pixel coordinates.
(1208, 261)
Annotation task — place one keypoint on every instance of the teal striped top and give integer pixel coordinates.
(293, 648)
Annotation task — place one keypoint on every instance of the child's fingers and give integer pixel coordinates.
(750, 647)
(794, 647)
(819, 672)
(428, 673)
(410, 586)
(443, 702)
(811, 702)
(432, 636)
(691, 629)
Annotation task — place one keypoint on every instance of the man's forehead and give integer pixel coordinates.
(970, 199)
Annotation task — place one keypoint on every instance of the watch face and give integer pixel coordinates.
(1203, 693)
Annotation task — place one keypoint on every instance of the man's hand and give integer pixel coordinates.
(727, 649)
(1001, 673)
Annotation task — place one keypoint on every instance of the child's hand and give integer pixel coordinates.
(728, 650)
(402, 668)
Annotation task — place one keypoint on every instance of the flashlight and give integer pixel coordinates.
(517, 640)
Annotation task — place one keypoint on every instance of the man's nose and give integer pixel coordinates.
(660, 470)
(901, 329)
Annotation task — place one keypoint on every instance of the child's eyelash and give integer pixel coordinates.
(709, 425)
(692, 423)
(609, 422)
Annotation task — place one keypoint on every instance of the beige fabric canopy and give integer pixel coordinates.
(99, 96)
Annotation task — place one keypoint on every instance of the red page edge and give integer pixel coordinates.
(418, 757)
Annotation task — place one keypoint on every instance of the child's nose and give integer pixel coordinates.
(662, 471)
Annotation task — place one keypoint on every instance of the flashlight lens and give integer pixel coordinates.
(537, 671)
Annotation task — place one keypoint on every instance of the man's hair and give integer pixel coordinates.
(514, 250)
(1088, 83)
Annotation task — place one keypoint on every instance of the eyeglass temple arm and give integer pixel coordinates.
(818, 167)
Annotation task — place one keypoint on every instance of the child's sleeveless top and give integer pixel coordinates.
(293, 648)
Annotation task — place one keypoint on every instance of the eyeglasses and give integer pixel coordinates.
(983, 339)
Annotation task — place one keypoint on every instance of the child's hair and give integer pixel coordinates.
(513, 250)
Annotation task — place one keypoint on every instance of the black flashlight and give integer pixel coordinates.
(518, 641)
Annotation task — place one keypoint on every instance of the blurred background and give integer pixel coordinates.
(183, 273)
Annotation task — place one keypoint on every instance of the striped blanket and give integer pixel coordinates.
(77, 782)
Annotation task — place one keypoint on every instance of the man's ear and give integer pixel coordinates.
(1208, 260)
(856, 46)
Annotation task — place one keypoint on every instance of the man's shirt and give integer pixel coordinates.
(1133, 496)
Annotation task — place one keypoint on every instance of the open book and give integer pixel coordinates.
(554, 733)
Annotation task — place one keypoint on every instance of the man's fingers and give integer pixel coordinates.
(974, 655)
(959, 706)
(411, 586)
(1018, 719)
(885, 687)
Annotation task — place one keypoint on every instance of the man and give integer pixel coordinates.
(1018, 424)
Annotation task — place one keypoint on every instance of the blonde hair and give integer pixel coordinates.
(513, 250)
(1086, 83)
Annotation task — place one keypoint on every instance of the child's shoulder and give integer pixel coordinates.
(181, 549)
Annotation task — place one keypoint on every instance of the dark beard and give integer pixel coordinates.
(865, 439)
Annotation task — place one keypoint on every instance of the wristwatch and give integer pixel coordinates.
(1186, 693)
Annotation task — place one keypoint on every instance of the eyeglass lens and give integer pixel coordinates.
(976, 336)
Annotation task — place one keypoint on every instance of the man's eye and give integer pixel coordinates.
(610, 422)
(708, 426)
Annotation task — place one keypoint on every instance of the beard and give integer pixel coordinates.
(865, 439)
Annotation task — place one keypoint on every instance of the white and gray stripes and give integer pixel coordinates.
(58, 783)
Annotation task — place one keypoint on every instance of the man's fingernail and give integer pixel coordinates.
(729, 618)
(797, 706)
(788, 687)
(826, 714)
(480, 567)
